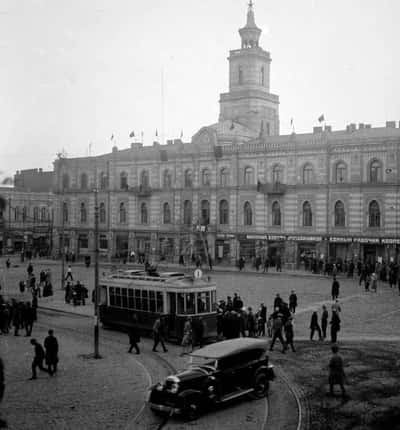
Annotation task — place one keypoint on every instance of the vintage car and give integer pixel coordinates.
(218, 373)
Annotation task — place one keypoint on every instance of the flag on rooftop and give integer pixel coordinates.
(112, 137)
(132, 134)
(321, 118)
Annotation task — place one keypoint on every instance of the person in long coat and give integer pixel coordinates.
(51, 355)
(336, 371)
(134, 337)
(314, 326)
(335, 326)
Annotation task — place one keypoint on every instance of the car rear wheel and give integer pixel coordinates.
(261, 385)
(191, 407)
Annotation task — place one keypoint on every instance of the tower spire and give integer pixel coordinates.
(250, 33)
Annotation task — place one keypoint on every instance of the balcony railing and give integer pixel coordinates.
(275, 188)
(142, 191)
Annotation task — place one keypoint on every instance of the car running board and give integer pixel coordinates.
(236, 394)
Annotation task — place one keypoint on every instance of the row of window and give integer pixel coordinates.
(374, 213)
(375, 174)
(23, 214)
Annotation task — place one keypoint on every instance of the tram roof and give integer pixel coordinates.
(228, 347)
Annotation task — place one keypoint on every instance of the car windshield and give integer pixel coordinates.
(202, 361)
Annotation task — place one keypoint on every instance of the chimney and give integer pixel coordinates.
(353, 127)
(368, 126)
(390, 124)
(328, 128)
(360, 126)
(317, 130)
(170, 141)
(114, 148)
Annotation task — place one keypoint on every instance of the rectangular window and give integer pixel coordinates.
(131, 301)
(103, 242)
(83, 241)
(145, 300)
(152, 301)
(112, 296)
(124, 294)
(138, 300)
(181, 303)
(214, 300)
(203, 302)
(190, 309)
(159, 302)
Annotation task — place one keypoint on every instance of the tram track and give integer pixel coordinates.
(141, 419)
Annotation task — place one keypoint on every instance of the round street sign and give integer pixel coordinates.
(198, 274)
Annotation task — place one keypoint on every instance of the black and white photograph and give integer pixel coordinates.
(199, 215)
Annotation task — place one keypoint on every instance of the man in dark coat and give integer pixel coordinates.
(3, 423)
(335, 326)
(37, 359)
(134, 337)
(335, 288)
(29, 318)
(336, 371)
(158, 334)
(277, 301)
(293, 302)
(51, 346)
(314, 326)
(277, 325)
(324, 321)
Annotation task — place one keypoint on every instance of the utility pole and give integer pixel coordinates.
(96, 275)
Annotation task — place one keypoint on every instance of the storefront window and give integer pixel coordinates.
(190, 309)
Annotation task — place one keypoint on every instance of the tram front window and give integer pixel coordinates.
(203, 302)
(190, 309)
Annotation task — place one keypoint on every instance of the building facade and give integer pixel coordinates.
(239, 188)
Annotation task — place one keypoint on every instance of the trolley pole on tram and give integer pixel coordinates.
(96, 275)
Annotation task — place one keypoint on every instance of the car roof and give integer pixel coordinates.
(228, 347)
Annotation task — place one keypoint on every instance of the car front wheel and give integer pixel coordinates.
(261, 385)
(191, 407)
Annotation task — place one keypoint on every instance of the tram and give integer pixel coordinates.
(171, 295)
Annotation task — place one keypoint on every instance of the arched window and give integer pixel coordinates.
(262, 76)
(248, 176)
(307, 174)
(205, 177)
(43, 214)
(143, 214)
(341, 172)
(35, 214)
(122, 213)
(224, 177)
(103, 181)
(240, 75)
(307, 215)
(277, 175)
(65, 211)
(84, 181)
(247, 214)
(102, 212)
(205, 212)
(375, 171)
(340, 216)
(188, 179)
(223, 212)
(166, 214)
(65, 181)
(83, 212)
(24, 213)
(276, 214)
(144, 179)
(167, 179)
(123, 181)
(17, 214)
(187, 212)
(374, 214)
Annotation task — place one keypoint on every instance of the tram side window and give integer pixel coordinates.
(131, 302)
(214, 300)
(112, 296)
(171, 308)
(203, 302)
(124, 295)
(138, 300)
(152, 301)
(145, 301)
(118, 297)
(159, 302)
(181, 303)
(190, 309)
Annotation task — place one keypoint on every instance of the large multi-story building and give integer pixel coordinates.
(26, 213)
(239, 187)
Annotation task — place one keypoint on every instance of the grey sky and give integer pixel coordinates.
(77, 71)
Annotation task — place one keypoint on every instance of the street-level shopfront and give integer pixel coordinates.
(224, 248)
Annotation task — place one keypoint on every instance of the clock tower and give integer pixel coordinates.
(249, 101)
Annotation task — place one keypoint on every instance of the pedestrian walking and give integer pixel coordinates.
(277, 325)
(336, 372)
(37, 359)
(262, 319)
(69, 274)
(134, 337)
(158, 334)
(251, 323)
(266, 264)
(8, 263)
(324, 321)
(374, 282)
(289, 333)
(293, 302)
(335, 326)
(3, 423)
(314, 326)
(187, 339)
(278, 301)
(51, 355)
(335, 288)
(28, 318)
(29, 269)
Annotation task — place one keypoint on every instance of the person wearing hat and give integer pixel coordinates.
(289, 333)
(293, 302)
(277, 324)
(336, 372)
(38, 359)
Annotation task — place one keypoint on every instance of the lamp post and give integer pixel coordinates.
(96, 275)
